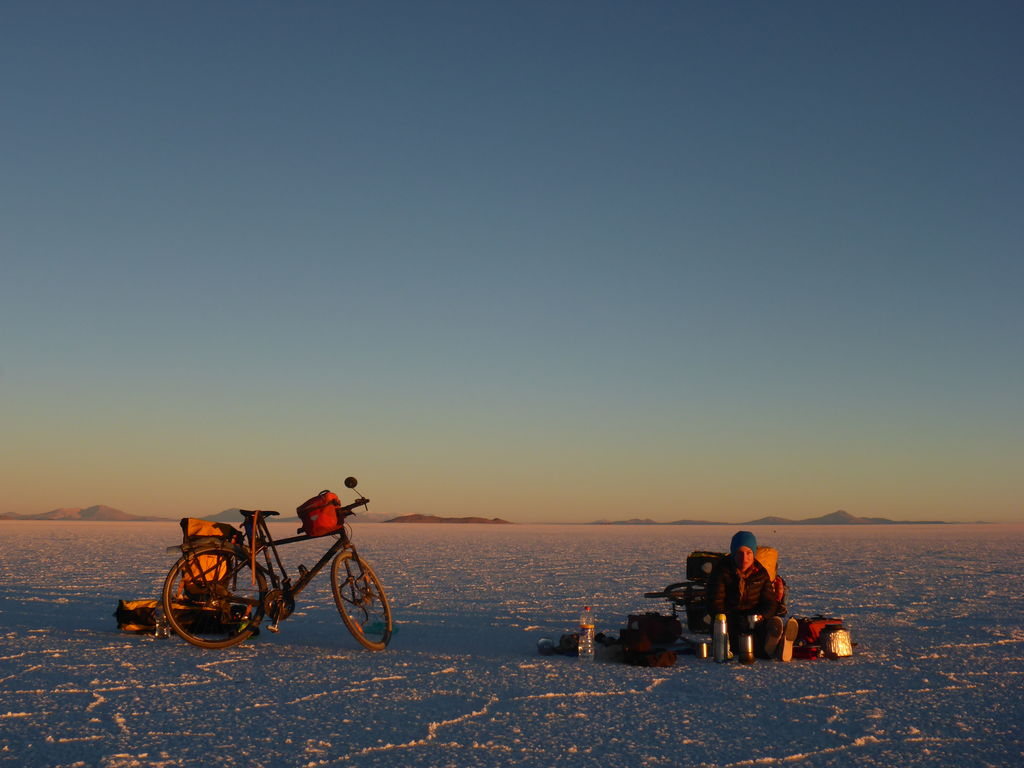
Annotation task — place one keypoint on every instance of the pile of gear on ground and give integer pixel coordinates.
(653, 639)
(145, 616)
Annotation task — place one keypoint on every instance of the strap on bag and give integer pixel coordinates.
(252, 546)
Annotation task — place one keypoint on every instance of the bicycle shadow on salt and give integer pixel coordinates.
(425, 633)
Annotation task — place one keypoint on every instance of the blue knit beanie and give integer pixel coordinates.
(743, 539)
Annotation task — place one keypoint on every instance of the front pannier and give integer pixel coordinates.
(319, 515)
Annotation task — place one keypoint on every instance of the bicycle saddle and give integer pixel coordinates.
(247, 513)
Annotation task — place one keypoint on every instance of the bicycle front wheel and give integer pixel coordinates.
(210, 598)
(361, 601)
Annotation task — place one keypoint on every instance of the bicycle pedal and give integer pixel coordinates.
(274, 628)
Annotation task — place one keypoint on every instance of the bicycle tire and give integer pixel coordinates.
(361, 601)
(209, 597)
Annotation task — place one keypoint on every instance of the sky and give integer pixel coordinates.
(545, 261)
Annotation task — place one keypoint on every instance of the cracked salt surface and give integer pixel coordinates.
(936, 679)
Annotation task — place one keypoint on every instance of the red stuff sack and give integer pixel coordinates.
(811, 629)
(807, 652)
(319, 515)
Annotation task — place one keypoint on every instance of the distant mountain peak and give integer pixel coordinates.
(97, 512)
(839, 517)
(438, 519)
(633, 521)
(771, 520)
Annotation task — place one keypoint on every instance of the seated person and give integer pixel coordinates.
(741, 588)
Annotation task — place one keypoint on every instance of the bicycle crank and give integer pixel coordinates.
(278, 606)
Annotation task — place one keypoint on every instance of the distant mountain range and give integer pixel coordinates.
(840, 517)
(101, 512)
(648, 521)
(95, 512)
(437, 519)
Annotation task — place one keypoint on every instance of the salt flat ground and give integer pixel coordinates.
(936, 679)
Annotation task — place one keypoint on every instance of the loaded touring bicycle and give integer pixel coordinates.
(226, 583)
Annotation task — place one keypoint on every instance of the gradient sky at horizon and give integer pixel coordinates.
(535, 260)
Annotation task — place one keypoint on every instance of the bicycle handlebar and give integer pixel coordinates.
(360, 502)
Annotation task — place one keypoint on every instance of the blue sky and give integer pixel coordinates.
(545, 261)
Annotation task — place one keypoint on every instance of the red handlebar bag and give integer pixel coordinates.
(319, 515)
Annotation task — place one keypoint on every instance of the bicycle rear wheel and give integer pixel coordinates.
(210, 598)
(361, 601)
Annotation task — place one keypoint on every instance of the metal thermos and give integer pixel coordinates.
(720, 639)
(746, 651)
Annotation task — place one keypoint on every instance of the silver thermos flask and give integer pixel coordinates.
(720, 639)
(746, 651)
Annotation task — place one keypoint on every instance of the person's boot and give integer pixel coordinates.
(773, 633)
(788, 636)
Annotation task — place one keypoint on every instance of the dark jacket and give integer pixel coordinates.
(732, 595)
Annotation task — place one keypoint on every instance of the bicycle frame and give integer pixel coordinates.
(265, 543)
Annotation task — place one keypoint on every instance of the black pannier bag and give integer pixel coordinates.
(139, 617)
(698, 616)
(646, 639)
(700, 564)
(136, 616)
